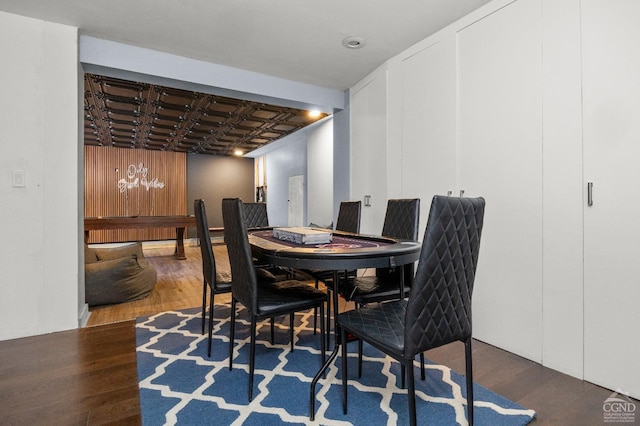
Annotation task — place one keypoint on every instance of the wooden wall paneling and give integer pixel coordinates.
(155, 185)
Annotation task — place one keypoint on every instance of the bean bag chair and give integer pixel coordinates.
(116, 275)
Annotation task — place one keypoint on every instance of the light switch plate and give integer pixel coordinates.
(17, 179)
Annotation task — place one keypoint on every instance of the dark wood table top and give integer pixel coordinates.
(123, 222)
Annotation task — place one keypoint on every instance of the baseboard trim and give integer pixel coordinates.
(83, 317)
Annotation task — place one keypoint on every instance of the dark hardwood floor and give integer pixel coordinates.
(80, 377)
(88, 376)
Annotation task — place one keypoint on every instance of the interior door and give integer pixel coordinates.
(500, 159)
(611, 114)
(296, 201)
(429, 124)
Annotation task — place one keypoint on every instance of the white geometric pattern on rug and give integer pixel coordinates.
(180, 385)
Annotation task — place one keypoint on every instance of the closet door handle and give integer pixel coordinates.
(589, 194)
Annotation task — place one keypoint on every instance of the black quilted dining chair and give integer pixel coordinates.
(255, 215)
(349, 217)
(438, 310)
(401, 221)
(218, 283)
(348, 221)
(267, 300)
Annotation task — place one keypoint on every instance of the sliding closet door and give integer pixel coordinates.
(500, 158)
(611, 114)
(429, 124)
(369, 150)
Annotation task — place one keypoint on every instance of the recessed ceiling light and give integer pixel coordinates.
(314, 113)
(238, 152)
(354, 42)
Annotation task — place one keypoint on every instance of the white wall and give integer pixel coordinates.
(308, 152)
(341, 159)
(39, 135)
(320, 174)
(336, 158)
(287, 161)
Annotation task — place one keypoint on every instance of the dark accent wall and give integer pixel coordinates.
(212, 178)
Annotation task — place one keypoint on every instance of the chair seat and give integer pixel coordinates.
(223, 279)
(370, 289)
(326, 276)
(264, 276)
(222, 287)
(283, 297)
(382, 323)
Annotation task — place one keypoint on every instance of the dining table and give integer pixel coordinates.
(345, 251)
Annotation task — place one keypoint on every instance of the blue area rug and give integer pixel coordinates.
(180, 385)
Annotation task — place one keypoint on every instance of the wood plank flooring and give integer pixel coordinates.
(88, 376)
(179, 284)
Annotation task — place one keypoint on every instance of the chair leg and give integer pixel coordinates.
(469, 373)
(211, 296)
(252, 356)
(204, 302)
(412, 392)
(403, 374)
(232, 332)
(422, 375)
(360, 348)
(291, 315)
(328, 328)
(272, 321)
(323, 349)
(343, 336)
(315, 321)
(315, 316)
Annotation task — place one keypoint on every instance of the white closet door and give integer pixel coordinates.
(429, 124)
(500, 158)
(611, 114)
(369, 151)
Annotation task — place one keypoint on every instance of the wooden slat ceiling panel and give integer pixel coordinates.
(127, 114)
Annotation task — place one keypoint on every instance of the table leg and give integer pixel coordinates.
(336, 347)
(179, 251)
(402, 282)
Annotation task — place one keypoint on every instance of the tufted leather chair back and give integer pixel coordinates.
(255, 215)
(349, 217)
(402, 219)
(208, 261)
(439, 308)
(244, 282)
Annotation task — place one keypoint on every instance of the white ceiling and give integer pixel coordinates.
(299, 40)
